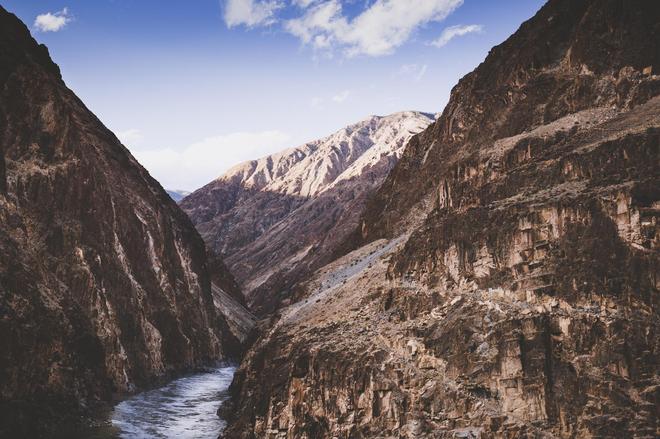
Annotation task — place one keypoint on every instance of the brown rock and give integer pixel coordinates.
(534, 200)
(279, 218)
(104, 284)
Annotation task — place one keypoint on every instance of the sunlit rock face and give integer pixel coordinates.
(104, 286)
(278, 218)
(505, 283)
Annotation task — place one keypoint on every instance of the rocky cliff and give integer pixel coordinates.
(279, 218)
(104, 283)
(507, 279)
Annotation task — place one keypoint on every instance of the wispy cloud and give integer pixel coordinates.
(251, 12)
(456, 31)
(197, 164)
(414, 71)
(131, 137)
(319, 102)
(341, 97)
(378, 30)
(52, 21)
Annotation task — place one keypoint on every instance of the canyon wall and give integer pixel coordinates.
(104, 282)
(504, 279)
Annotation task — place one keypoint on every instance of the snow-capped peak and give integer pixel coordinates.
(316, 166)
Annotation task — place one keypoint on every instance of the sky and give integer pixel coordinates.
(195, 87)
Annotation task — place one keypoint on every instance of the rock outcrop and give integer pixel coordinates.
(505, 280)
(104, 283)
(279, 218)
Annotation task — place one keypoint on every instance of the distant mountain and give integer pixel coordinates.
(177, 195)
(104, 281)
(276, 218)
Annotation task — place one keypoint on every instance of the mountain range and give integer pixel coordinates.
(276, 219)
(488, 272)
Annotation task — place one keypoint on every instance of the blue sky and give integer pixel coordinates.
(194, 87)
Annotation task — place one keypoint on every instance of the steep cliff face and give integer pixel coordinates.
(104, 284)
(514, 290)
(277, 219)
(571, 56)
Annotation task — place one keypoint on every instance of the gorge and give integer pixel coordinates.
(279, 218)
(488, 272)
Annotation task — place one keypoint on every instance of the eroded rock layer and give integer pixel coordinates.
(510, 288)
(103, 279)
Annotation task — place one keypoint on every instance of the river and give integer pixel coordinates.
(185, 408)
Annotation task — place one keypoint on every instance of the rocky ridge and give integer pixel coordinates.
(278, 218)
(505, 280)
(104, 282)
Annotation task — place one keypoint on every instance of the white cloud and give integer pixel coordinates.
(341, 97)
(414, 71)
(318, 102)
(132, 137)
(304, 3)
(201, 162)
(251, 12)
(378, 30)
(52, 22)
(456, 31)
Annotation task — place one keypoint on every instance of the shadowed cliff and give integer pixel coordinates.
(104, 283)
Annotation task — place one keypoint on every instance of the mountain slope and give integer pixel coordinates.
(104, 284)
(278, 218)
(578, 59)
(508, 281)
